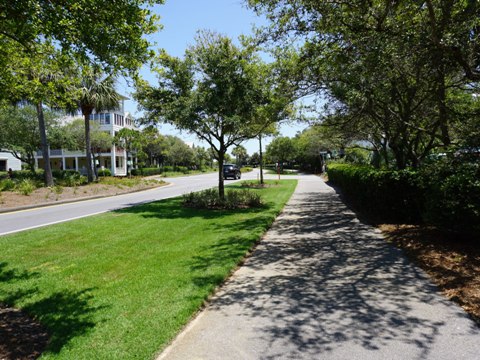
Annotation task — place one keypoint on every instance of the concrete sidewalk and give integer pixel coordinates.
(322, 285)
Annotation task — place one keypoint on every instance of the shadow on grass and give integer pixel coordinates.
(64, 314)
(225, 254)
(211, 263)
(173, 209)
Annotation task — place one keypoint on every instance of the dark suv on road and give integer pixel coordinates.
(232, 171)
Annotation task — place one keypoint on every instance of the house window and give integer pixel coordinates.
(119, 162)
(3, 165)
(118, 119)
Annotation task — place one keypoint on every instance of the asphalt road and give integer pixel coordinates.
(33, 218)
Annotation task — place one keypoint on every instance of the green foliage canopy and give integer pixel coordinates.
(281, 149)
(216, 92)
(389, 69)
(109, 32)
(20, 134)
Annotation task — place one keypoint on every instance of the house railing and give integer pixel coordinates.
(63, 152)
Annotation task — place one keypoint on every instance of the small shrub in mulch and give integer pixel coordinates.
(21, 337)
(26, 186)
(7, 185)
(234, 199)
(257, 185)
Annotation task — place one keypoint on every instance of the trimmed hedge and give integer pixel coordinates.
(392, 195)
(105, 172)
(445, 194)
(147, 171)
(26, 174)
(453, 195)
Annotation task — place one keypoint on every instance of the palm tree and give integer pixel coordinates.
(240, 154)
(96, 92)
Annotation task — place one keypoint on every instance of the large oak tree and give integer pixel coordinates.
(390, 69)
(216, 92)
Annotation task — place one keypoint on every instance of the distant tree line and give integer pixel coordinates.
(19, 133)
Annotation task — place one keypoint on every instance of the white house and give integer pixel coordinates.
(8, 161)
(114, 158)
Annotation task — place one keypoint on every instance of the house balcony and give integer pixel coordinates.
(62, 152)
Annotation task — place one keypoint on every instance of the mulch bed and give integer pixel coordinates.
(42, 196)
(21, 337)
(451, 260)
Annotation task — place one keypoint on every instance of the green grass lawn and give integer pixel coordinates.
(120, 285)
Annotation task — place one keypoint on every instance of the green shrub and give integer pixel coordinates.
(20, 175)
(7, 185)
(202, 199)
(234, 199)
(26, 186)
(395, 196)
(182, 169)
(72, 179)
(253, 199)
(62, 174)
(445, 193)
(357, 156)
(57, 189)
(452, 198)
(105, 172)
(146, 171)
(246, 169)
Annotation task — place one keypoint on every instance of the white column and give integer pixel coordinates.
(113, 165)
(76, 163)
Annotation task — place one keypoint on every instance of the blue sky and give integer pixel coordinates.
(181, 19)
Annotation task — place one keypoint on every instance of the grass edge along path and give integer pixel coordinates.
(122, 284)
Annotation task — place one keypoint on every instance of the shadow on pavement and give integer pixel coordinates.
(333, 280)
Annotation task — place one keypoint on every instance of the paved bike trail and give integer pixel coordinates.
(322, 285)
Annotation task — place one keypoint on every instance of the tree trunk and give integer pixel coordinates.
(45, 151)
(88, 149)
(442, 107)
(128, 166)
(94, 158)
(399, 157)
(385, 154)
(221, 185)
(261, 158)
(30, 160)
